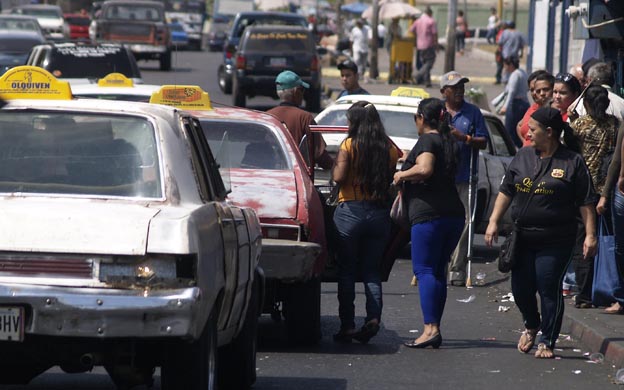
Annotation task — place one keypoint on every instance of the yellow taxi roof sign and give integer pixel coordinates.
(115, 80)
(187, 97)
(33, 82)
(410, 92)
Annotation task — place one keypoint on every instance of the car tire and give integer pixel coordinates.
(313, 102)
(237, 361)
(302, 311)
(238, 95)
(225, 82)
(193, 365)
(165, 61)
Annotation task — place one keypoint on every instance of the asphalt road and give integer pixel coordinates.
(480, 328)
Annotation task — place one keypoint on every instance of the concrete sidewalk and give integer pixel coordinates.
(598, 332)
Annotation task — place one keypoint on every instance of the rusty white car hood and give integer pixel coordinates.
(74, 226)
(271, 193)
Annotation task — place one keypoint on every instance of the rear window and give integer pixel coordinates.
(19, 24)
(90, 62)
(244, 145)
(41, 13)
(281, 41)
(18, 45)
(134, 12)
(396, 123)
(78, 20)
(77, 154)
(245, 22)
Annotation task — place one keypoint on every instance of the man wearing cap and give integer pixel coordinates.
(469, 129)
(349, 78)
(290, 89)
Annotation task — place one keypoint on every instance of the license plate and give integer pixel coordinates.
(11, 323)
(278, 61)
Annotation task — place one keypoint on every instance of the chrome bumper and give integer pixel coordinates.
(105, 313)
(289, 261)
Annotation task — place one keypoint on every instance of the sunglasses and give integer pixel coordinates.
(565, 77)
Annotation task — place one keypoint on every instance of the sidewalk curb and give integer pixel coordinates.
(593, 337)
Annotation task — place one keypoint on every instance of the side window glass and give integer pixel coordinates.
(498, 145)
(198, 161)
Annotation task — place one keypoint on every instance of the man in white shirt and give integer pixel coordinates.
(359, 45)
(600, 73)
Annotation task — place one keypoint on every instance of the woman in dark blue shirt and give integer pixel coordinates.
(436, 212)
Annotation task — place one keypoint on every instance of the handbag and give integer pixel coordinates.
(606, 275)
(499, 102)
(399, 213)
(509, 248)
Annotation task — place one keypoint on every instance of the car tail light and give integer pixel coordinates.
(281, 231)
(240, 61)
(314, 66)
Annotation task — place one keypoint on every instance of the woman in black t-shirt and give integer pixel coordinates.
(435, 211)
(557, 184)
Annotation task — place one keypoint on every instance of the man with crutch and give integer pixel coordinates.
(469, 128)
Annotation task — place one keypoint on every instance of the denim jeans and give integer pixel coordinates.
(618, 231)
(363, 231)
(541, 270)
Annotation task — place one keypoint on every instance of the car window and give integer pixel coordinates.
(90, 62)
(41, 13)
(249, 145)
(78, 20)
(497, 140)
(278, 41)
(245, 22)
(77, 154)
(12, 44)
(133, 12)
(396, 123)
(19, 24)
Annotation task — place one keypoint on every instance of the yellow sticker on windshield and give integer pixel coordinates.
(189, 97)
(33, 82)
(115, 80)
(410, 92)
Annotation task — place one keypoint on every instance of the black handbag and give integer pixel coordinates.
(509, 248)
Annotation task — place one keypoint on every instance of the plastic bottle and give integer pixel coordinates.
(619, 376)
(480, 278)
(596, 357)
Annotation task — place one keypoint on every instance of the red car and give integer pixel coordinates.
(78, 26)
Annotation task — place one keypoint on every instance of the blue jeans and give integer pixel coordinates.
(618, 231)
(541, 270)
(432, 245)
(363, 231)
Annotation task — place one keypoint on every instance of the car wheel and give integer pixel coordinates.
(225, 82)
(238, 95)
(193, 366)
(237, 361)
(165, 61)
(313, 102)
(302, 311)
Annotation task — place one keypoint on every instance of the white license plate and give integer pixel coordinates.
(11, 323)
(278, 61)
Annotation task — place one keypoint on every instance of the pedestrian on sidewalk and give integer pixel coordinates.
(461, 29)
(364, 169)
(498, 55)
(556, 183)
(541, 84)
(516, 103)
(436, 213)
(350, 79)
(359, 45)
(425, 30)
(468, 127)
(492, 26)
(566, 90)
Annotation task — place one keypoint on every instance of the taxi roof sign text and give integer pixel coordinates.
(115, 80)
(410, 92)
(188, 97)
(33, 82)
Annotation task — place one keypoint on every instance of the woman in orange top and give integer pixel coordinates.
(364, 170)
(541, 84)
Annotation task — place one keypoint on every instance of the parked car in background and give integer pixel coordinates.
(13, 22)
(15, 45)
(85, 63)
(397, 115)
(179, 37)
(242, 21)
(119, 247)
(50, 18)
(78, 26)
(217, 33)
(264, 52)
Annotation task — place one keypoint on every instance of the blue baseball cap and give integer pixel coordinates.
(288, 80)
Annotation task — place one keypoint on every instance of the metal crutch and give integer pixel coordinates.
(472, 205)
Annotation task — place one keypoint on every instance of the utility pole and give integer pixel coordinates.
(449, 59)
(374, 59)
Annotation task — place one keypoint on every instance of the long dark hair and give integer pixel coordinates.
(370, 159)
(435, 116)
(597, 99)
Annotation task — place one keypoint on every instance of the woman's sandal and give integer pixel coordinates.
(543, 352)
(527, 340)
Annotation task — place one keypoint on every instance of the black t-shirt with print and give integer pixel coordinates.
(437, 196)
(565, 185)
